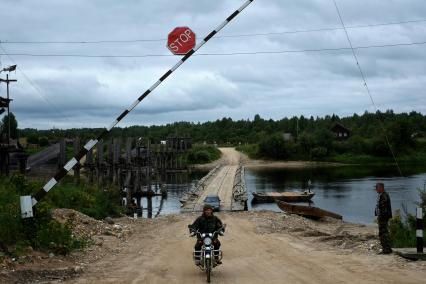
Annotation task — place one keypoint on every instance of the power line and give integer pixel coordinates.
(220, 54)
(224, 36)
(366, 86)
(92, 142)
(32, 84)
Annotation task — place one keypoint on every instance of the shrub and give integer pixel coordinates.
(250, 150)
(56, 237)
(380, 148)
(33, 139)
(88, 199)
(273, 147)
(42, 232)
(200, 154)
(43, 142)
(318, 153)
(401, 233)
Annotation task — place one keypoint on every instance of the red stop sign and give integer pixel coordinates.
(181, 40)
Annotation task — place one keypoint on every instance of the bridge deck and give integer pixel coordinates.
(221, 184)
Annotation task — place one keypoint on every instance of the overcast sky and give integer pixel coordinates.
(67, 92)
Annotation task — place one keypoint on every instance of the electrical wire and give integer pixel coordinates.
(220, 54)
(223, 36)
(37, 89)
(366, 86)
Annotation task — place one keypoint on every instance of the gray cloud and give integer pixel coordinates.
(80, 92)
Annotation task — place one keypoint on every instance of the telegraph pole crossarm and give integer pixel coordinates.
(8, 81)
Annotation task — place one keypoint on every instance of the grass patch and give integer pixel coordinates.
(202, 154)
(411, 159)
(403, 231)
(32, 151)
(42, 232)
(250, 150)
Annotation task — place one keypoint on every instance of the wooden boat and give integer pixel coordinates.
(306, 211)
(290, 196)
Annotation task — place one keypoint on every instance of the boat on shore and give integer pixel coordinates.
(307, 211)
(290, 196)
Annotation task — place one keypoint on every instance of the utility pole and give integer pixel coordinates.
(7, 81)
(297, 128)
(7, 104)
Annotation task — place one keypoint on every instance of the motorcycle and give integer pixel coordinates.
(207, 258)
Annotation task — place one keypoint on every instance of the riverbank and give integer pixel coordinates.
(264, 164)
(287, 248)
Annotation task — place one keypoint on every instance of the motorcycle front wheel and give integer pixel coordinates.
(208, 269)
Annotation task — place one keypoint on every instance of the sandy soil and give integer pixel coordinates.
(261, 164)
(257, 249)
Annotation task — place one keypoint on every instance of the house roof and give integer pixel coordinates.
(338, 126)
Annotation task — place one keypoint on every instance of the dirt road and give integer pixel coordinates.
(263, 164)
(160, 252)
(259, 247)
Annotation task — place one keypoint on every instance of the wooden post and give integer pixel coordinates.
(62, 159)
(149, 166)
(100, 162)
(115, 160)
(129, 150)
(110, 162)
(89, 164)
(78, 166)
(149, 203)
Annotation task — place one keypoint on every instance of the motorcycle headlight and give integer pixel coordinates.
(210, 235)
(203, 235)
(207, 241)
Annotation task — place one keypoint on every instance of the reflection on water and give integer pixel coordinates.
(171, 204)
(348, 191)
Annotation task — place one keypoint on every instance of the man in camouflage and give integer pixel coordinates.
(383, 213)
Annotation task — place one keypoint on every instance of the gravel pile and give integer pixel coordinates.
(84, 226)
(331, 232)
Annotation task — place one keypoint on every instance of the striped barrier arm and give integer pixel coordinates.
(419, 229)
(89, 145)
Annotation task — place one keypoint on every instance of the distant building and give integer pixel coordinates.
(287, 136)
(419, 134)
(340, 132)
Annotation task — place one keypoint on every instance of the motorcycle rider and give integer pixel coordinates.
(207, 223)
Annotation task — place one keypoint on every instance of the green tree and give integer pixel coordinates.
(43, 141)
(13, 126)
(324, 139)
(33, 139)
(274, 147)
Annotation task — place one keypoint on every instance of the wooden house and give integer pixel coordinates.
(340, 131)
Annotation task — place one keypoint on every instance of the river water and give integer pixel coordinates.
(348, 190)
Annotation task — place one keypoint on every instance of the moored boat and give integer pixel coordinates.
(290, 196)
(307, 211)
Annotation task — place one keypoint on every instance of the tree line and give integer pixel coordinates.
(311, 137)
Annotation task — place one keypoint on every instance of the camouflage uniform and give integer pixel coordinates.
(384, 213)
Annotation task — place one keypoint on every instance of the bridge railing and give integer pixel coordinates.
(239, 191)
